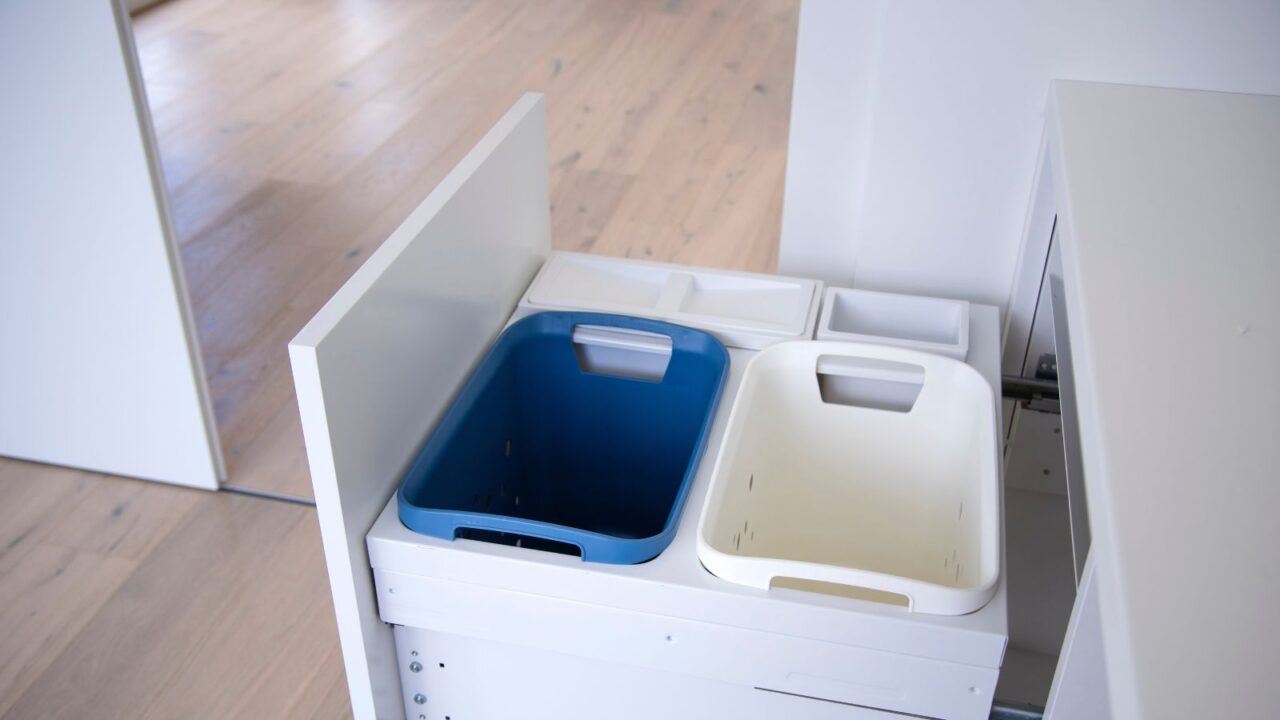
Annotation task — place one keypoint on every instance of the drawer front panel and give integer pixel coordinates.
(720, 653)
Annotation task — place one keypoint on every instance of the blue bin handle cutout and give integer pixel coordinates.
(683, 339)
(524, 528)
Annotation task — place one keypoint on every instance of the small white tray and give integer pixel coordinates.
(745, 310)
(920, 323)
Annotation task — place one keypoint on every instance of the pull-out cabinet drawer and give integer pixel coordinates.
(503, 631)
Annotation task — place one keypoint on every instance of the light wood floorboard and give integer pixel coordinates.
(295, 139)
(295, 136)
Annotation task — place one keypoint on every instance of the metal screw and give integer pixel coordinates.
(415, 666)
(420, 699)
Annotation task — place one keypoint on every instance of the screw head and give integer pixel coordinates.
(420, 699)
(415, 666)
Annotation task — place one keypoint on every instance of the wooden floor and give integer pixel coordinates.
(296, 135)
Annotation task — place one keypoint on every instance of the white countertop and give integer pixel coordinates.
(1169, 222)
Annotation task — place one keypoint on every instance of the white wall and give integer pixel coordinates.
(99, 366)
(915, 124)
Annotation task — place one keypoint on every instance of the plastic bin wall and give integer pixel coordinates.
(538, 452)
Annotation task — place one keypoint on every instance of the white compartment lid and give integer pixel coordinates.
(747, 310)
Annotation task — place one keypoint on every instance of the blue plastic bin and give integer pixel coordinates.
(538, 452)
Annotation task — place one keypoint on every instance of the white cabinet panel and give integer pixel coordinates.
(1167, 227)
(99, 362)
(377, 365)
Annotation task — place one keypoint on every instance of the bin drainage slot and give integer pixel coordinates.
(517, 540)
(848, 591)
(869, 382)
(622, 352)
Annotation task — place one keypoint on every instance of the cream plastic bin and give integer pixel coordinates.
(860, 469)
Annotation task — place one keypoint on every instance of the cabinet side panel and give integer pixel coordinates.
(378, 364)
